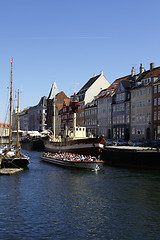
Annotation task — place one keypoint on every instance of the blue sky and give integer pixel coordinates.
(69, 40)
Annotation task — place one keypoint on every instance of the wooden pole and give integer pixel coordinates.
(10, 119)
(17, 123)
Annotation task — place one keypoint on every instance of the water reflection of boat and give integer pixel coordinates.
(12, 157)
(73, 160)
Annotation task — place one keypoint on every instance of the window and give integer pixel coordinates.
(133, 118)
(148, 90)
(155, 89)
(158, 115)
(127, 119)
(133, 130)
(155, 116)
(159, 101)
(114, 133)
(148, 102)
(155, 101)
(158, 88)
(123, 119)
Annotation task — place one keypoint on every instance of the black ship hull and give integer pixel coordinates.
(131, 157)
(15, 162)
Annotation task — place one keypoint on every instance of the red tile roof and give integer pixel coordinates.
(155, 72)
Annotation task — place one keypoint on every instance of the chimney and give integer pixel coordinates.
(132, 72)
(94, 75)
(152, 65)
(141, 68)
(102, 73)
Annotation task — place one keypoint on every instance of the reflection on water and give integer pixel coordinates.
(51, 202)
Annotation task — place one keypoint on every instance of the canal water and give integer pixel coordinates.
(52, 202)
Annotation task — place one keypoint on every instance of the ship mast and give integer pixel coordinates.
(17, 143)
(10, 119)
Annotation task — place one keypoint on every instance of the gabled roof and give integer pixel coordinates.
(60, 97)
(127, 84)
(88, 84)
(53, 91)
(112, 88)
(157, 81)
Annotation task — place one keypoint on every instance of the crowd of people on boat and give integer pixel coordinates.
(66, 156)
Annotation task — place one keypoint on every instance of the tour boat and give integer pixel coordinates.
(73, 160)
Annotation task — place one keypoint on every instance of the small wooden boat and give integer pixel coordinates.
(73, 160)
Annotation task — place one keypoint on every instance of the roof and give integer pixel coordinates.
(60, 97)
(53, 91)
(111, 89)
(88, 84)
(155, 72)
(127, 84)
(4, 125)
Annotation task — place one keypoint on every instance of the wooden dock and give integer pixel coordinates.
(10, 171)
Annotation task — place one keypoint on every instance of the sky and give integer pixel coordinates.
(68, 41)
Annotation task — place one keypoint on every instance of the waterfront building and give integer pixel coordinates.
(121, 108)
(141, 111)
(34, 118)
(156, 110)
(142, 104)
(50, 106)
(90, 118)
(88, 92)
(58, 109)
(53, 99)
(23, 120)
(66, 116)
(104, 106)
(4, 129)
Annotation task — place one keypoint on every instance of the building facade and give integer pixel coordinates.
(88, 92)
(34, 118)
(141, 112)
(156, 110)
(121, 109)
(90, 116)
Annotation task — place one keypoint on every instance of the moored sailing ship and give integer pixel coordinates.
(12, 157)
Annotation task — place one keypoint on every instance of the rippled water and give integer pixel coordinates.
(51, 202)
